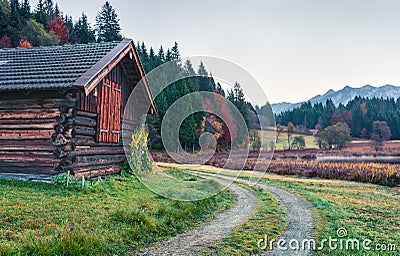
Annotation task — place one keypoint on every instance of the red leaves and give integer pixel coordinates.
(24, 44)
(5, 42)
(58, 27)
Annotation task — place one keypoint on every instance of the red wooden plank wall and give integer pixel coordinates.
(108, 100)
(109, 109)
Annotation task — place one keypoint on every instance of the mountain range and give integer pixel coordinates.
(344, 96)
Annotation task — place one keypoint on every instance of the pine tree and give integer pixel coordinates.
(5, 16)
(25, 10)
(40, 15)
(70, 26)
(48, 8)
(204, 79)
(15, 22)
(152, 59)
(188, 70)
(168, 55)
(83, 34)
(144, 57)
(107, 24)
(202, 70)
(57, 12)
(175, 55)
(187, 133)
(161, 55)
(240, 102)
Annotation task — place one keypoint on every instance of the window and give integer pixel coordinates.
(109, 111)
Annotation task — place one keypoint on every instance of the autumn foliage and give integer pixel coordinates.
(228, 126)
(25, 44)
(58, 27)
(219, 121)
(5, 42)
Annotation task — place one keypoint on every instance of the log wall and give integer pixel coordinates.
(50, 136)
(33, 130)
(93, 158)
(97, 127)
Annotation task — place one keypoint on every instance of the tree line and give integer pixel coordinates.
(200, 80)
(47, 25)
(359, 115)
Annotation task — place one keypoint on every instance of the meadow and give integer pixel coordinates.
(366, 211)
(376, 173)
(117, 216)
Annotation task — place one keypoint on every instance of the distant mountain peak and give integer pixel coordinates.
(344, 95)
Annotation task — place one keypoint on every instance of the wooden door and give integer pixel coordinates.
(115, 125)
(109, 110)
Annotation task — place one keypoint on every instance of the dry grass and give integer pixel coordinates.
(366, 211)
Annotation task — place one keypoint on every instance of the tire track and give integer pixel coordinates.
(193, 241)
(301, 223)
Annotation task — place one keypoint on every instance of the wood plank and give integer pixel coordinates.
(44, 126)
(35, 103)
(82, 130)
(99, 151)
(84, 140)
(97, 171)
(22, 145)
(80, 140)
(26, 121)
(29, 114)
(27, 169)
(25, 157)
(25, 134)
(82, 161)
(85, 121)
(86, 114)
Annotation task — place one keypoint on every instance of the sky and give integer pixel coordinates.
(295, 49)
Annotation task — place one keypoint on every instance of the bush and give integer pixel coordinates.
(337, 136)
(65, 180)
(299, 142)
(139, 158)
(380, 133)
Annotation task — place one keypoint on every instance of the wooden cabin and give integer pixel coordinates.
(61, 107)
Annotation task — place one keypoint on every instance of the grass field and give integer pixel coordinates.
(116, 217)
(366, 211)
(267, 219)
(282, 140)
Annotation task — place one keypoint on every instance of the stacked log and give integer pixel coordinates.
(62, 135)
(93, 158)
(26, 126)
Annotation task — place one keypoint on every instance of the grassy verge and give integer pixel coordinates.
(268, 220)
(120, 216)
(366, 211)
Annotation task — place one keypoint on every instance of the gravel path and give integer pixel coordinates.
(193, 241)
(301, 223)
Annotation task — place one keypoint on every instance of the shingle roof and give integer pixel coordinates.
(49, 67)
